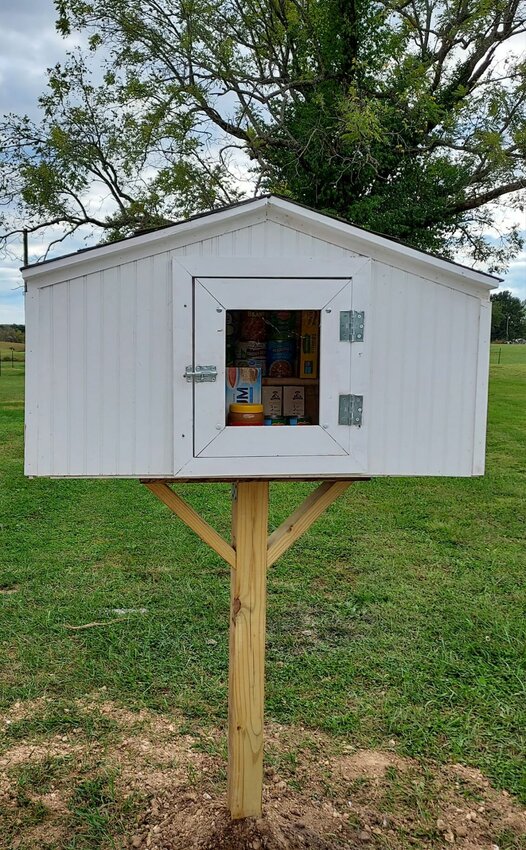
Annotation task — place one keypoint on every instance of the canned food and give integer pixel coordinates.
(253, 326)
(282, 324)
(254, 363)
(281, 356)
(276, 420)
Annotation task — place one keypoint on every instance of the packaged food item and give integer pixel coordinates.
(252, 353)
(245, 414)
(310, 344)
(304, 420)
(253, 325)
(251, 348)
(282, 324)
(243, 386)
(276, 420)
(272, 400)
(294, 401)
(293, 420)
(281, 355)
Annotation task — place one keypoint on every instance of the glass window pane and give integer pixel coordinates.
(272, 359)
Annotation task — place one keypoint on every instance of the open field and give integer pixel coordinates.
(12, 350)
(18, 346)
(396, 649)
(7, 346)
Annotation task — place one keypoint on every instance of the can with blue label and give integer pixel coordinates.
(281, 357)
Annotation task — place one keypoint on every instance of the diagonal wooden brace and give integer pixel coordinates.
(302, 518)
(192, 519)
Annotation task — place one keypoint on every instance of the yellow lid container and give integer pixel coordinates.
(246, 408)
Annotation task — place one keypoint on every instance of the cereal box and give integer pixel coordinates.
(310, 343)
(243, 385)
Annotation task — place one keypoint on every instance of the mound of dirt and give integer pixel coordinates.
(151, 786)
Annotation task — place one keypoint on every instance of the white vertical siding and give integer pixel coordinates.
(481, 399)
(423, 376)
(76, 387)
(102, 381)
(42, 401)
(267, 238)
(93, 366)
(100, 371)
(32, 412)
(127, 348)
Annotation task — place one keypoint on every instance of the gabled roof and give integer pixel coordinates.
(276, 208)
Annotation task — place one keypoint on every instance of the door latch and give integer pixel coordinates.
(200, 374)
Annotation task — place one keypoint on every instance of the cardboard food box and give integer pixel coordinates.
(243, 385)
(310, 344)
(293, 401)
(272, 401)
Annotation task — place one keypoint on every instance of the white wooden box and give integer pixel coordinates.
(111, 330)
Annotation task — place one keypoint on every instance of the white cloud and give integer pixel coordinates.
(29, 44)
(11, 295)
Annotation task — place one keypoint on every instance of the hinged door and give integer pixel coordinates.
(213, 297)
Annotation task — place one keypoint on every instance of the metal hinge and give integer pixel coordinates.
(200, 374)
(351, 325)
(350, 410)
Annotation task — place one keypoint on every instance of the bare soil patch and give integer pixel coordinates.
(8, 590)
(150, 784)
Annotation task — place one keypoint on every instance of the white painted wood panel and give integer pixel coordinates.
(41, 364)
(126, 352)
(264, 239)
(481, 393)
(110, 333)
(423, 376)
(101, 383)
(212, 297)
(76, 358)
(93, 371)
(31, 413)
(59, 377)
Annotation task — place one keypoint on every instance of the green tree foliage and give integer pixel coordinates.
(103, 155)
(12, 333)
(508, 317)
(405, 116)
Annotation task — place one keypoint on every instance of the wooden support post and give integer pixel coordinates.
(247, 649)
(249, 555)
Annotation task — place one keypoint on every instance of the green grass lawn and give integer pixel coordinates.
(401, 616)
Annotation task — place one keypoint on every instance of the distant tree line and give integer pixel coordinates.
(508, 317)
(13, 333)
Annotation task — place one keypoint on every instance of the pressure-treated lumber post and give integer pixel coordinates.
(247, 649)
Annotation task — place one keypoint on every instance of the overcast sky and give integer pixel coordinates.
(29, 45)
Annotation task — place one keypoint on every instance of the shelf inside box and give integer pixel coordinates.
(289, 382)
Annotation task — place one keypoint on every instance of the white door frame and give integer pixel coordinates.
(185, 270)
